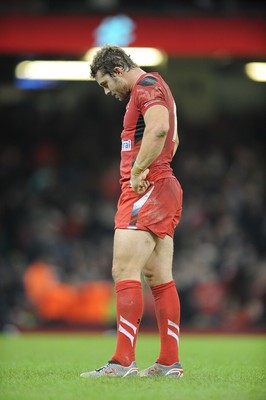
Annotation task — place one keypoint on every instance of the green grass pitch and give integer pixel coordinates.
(47, 367)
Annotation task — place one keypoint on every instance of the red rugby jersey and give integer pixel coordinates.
(150, 89)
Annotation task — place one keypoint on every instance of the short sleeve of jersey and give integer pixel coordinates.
(148, 93)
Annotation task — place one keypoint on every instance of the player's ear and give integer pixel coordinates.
(118, 70)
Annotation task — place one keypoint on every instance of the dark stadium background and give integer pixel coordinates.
(59, 171)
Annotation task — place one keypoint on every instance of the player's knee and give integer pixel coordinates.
(149, 277)
(118, 271)
(125, 270)
(156, 277)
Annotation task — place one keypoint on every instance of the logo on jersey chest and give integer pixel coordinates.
(126, 145)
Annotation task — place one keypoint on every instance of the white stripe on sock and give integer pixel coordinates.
(173, 334)
(170, 332)
(125, 321)
(126, 333)
(171, 323)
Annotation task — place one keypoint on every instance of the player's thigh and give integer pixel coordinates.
(158, 268)
(132, 249)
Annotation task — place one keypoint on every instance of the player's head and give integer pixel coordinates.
(109, 57)
(111, 67)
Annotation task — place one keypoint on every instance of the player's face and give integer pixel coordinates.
(113, 85)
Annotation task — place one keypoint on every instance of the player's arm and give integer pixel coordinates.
(156, 121)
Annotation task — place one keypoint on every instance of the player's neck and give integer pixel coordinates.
(133, 75)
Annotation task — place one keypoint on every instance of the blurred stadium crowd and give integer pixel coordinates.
(59, 166)
(137, 6)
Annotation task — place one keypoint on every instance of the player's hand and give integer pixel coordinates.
(139, 183)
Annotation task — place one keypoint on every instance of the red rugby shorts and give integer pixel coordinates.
(158, 210)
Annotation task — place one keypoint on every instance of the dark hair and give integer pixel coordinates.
(109, 57)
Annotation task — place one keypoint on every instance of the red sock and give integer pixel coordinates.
(129, 308)
(167, 309)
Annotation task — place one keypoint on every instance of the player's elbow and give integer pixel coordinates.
(162, 130)
(162, 134)
(157, 131)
